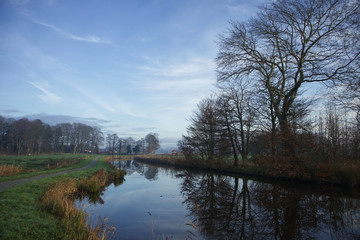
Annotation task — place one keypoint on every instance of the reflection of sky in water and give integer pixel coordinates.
(127, 206)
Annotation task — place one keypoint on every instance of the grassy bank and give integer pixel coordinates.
(345, 175)
(17, 167)
(44, 209)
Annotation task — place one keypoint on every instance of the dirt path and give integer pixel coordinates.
(9, 184)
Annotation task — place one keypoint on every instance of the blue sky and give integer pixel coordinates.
(129, 66)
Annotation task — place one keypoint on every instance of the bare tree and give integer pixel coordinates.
(206, 136)
(129, 142)
(238, 110)
(96, 139)
(112, 140)
(28, 137)
(225, 110)
(291, 43)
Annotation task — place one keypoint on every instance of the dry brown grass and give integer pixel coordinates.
(94, 183)
(111, 158)
(59, 200)
(6, 170)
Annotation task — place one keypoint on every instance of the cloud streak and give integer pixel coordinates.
(47, 96)
(187, 76)
(173, 88)
(89, 39)
(187, 67)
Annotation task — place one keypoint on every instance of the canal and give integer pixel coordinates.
(167, 203)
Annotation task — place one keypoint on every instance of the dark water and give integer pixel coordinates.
(155, 203)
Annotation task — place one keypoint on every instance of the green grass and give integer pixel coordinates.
(22, 215)
(37, 165)
(37, 162)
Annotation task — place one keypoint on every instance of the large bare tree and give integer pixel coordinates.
(289, 44)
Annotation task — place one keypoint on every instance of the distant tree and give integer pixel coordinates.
(128, 149)
(4, 131)
(96, 139)
(139, 146)
(152, 142)
(45, 140)
(25, 136)
(128, 145)
(137, 149)
(65, 138)
(120, 145)
(112, 140)
(81, 137)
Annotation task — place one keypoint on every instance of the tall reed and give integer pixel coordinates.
(59, 200)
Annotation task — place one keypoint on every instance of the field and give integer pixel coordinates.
(30, 211)
(16, 167)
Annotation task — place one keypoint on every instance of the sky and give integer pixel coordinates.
(130, 67)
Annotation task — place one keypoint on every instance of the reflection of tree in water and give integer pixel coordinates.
(96, 197)
(233, 208)
(151, 173)
(301, 214)
(224, 209)
(130, 166)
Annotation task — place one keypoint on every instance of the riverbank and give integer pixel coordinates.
(20, 167)
(347, 176)
(40, 209)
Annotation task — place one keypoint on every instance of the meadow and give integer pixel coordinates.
(44, 208)
(17, 167)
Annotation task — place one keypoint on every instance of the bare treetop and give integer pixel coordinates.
(290, 43)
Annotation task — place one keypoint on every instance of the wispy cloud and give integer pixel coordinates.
(186, 67)
(173, 88)
(107, 101)
(46, 95)
(56, 119)
(245, 9)
(89, 38)
(186, 76)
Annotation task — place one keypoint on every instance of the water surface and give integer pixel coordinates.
(155, 203)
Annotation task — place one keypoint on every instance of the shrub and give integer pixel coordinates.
(94, 183)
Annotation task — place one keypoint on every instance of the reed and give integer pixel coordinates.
(190, 234)
(59, 200)
(7, 170)
(94, 183)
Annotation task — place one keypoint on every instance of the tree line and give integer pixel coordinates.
(268, 71)
(25, 136)
(147, 145)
